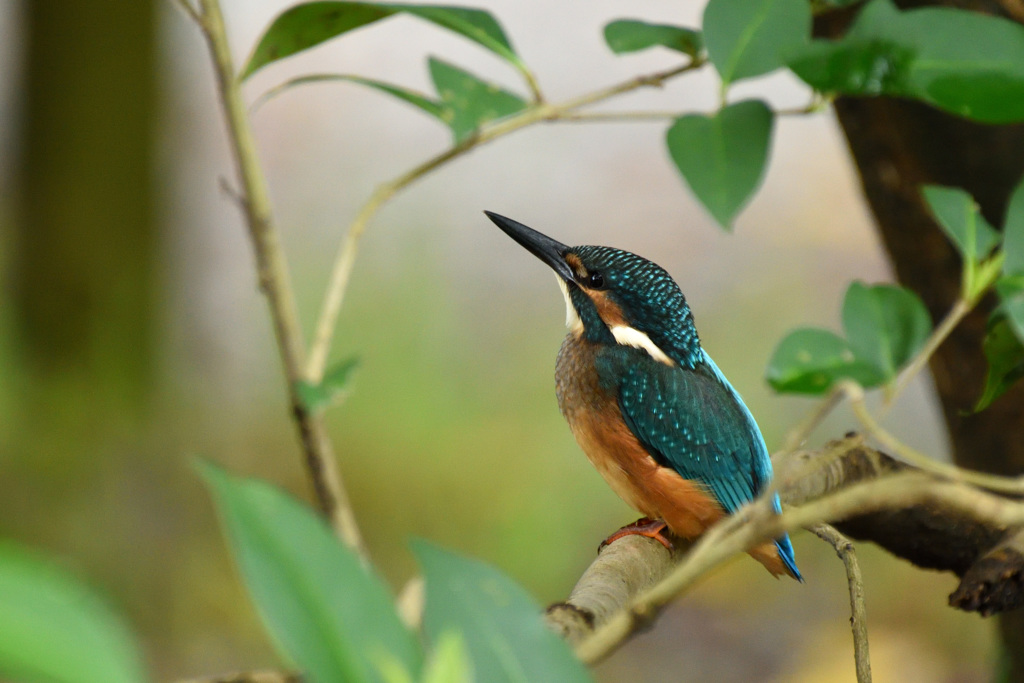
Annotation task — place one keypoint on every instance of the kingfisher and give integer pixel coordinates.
(646, 403)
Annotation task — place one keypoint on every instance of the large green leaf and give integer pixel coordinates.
(303, 26)
(449, 661)
(885, 325)
(632, 35)
(964, 62)
(1005, 354)
(53, 629)
(470, 102)
(506, 639)
(748, 38)
(958, 215)
(328, 613)
(723, 157)
(1013, 233)
(810, 361)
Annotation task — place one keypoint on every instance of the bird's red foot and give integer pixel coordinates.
(645, 526)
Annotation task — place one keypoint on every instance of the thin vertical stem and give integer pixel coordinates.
(275, 282)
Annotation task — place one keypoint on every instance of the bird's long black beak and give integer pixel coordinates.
(551, 252)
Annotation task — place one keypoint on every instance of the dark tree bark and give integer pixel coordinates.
(898, 146)
(84, 263)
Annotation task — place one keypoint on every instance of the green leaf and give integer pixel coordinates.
(449, 662)
(723, 157)
(303, 26)
(469, 101)
(501, 624)
(331, 389)
(958, 216)
(633, 35)
(1005, 355)
(967, 63)
(748, 38)
(885, 325)
(1011, 296)
(53, 628)
(810, 361)
(1013, 233)
(328, 613)
(870, 68)
(418, 100)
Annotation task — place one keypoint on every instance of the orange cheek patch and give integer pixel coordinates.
(609, 311)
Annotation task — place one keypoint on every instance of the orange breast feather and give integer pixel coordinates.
(657, 492)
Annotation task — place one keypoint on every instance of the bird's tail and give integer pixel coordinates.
(785, 548)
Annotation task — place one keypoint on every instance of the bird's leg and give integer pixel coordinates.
(645, 526)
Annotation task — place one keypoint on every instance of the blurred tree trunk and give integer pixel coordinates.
(84, 267)
(898, 146)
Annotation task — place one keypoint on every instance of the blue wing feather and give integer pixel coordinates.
(695, 422)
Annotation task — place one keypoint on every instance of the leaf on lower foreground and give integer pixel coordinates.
(327, 612)
(501, 624)
(54, 628)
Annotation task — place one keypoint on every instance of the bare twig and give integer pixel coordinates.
(858, 615)
(345, 259)
(275, 281)
(618, 116)
(796, 436)
(993, 482)
(960, 309)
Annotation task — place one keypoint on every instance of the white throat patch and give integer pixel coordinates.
(630, 336)
(572, 318)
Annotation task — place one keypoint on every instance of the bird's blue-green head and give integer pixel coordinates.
(616, 297)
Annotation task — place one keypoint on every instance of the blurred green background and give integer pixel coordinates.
(133, 338)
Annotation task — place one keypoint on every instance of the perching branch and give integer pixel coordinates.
(932, 523)
(275, 281)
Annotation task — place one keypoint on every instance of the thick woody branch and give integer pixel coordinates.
(939, 525)
(623, 569)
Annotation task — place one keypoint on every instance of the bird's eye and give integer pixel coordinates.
(595, 281)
